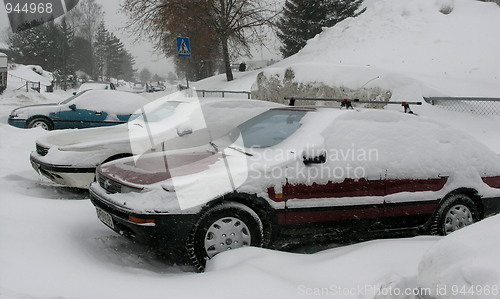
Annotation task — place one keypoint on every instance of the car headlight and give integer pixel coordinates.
(125, 189)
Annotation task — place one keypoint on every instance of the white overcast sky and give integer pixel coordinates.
(115, 21)
(143, 51)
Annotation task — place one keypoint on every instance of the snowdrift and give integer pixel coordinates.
(447, 47)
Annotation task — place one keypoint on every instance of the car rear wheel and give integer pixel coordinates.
(40, 123)
(224, 227)
(456, 212)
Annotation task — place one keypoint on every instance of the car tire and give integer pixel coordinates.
(454, 213)
(229, 225)
(40, 122)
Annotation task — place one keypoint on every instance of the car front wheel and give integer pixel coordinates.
(456, 212)
(41, 123)
(224, 227)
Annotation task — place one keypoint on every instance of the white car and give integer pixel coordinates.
(142, 87)
(70, 158)
(95, 86)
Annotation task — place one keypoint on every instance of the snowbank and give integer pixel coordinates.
(19, 74)
(437, 43)
(465, 264)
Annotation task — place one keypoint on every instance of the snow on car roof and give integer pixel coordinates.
(111, 101)
(407, 146)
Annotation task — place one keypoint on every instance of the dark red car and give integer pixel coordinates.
(301, 170)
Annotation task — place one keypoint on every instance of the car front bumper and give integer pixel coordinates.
(76, 177)
(18, 123)
(167, 231)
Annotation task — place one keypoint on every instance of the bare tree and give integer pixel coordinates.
(226, 27)
(92, 16)
(235, 21)
(86, 19)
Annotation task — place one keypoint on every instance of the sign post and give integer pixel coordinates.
(184, 50)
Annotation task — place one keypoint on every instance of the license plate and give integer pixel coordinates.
(105, 217)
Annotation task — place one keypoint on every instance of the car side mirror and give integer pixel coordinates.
(72, 107)
(183, 131)
(314, 156)
(74, 93)
(315, 160)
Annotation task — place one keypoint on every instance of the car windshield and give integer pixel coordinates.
(269, 128)
(159, 113)
(73, 97)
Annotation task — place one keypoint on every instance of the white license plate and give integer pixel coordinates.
(105, 217)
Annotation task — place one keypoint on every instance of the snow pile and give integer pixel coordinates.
(357, 271)
(18, 75)
(465, 264)
(396, 42)
(110, 101)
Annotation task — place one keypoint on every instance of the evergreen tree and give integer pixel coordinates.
(30, 46)
(304, 19)
(128, 73)
(114, 57)
(145, 75)
(100, 51)
(83, 55)
(66, 68)
(47, 45)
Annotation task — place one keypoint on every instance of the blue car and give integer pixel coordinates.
(90, 108)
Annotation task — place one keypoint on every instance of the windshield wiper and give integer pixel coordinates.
(240, 150)
(214, 146)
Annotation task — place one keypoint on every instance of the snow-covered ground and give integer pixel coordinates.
(53, 246)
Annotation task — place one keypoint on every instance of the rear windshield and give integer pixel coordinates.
(269, 128)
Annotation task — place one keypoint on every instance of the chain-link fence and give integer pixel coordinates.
(479, 106)
(223, 93)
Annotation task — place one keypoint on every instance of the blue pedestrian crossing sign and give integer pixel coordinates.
(183, 47)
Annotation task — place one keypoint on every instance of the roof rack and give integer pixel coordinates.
(347, 103)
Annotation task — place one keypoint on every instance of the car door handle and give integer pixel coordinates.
(98, 113)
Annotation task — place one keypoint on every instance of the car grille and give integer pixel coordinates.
(41, 150)
(109, 185)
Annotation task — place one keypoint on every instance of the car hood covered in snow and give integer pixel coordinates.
(85, 137)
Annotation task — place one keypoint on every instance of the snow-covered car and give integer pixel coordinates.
(91, 108)
(142, 87)
(158, 87)
(96, 86)
(290, 170)
(70, 157)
